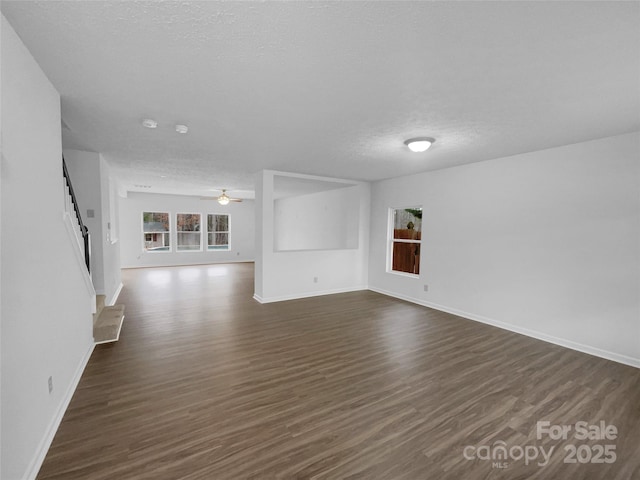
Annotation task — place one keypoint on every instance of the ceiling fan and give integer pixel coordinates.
(223, 199)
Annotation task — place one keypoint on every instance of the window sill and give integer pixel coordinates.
(404, 274)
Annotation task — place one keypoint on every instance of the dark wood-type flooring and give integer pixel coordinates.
(206, 383)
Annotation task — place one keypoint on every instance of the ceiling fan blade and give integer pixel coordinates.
(208, 198)
(235, 200)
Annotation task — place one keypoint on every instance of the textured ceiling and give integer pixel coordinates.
(329, 88)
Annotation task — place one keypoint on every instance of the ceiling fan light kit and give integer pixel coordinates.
(223, 199)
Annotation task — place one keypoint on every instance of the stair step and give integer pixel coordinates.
(100, 299)
(108, 324)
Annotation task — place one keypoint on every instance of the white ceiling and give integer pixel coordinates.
(330, 88)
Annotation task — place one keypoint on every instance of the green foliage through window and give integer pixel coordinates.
(415, 212)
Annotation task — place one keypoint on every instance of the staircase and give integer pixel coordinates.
(107, 321)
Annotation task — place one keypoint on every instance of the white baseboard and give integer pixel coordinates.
(284, 298)
(45, 443)
(598, 352)
(116, 294)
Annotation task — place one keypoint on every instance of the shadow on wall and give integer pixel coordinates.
(326, 216)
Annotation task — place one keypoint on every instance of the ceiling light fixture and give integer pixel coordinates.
(224, 198)
(149, 123)
(182, 128)
(420, 144)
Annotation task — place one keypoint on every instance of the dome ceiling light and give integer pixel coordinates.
(149, 123)
(420, 144)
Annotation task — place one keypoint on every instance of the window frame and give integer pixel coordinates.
(228, 232)
(391, 240)
(178, 232)
(144, 233)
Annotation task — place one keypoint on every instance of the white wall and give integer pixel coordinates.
(112, 278)
(282, 275)
(544, 243)
(46, 306)
(318, 221)
(241, 218)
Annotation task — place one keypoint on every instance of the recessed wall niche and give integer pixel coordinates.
(311, 214)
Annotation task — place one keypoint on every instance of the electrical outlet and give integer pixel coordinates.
(315, 279)
(50, 384)
(426, 288)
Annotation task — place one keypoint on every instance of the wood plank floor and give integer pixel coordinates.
(205, 383)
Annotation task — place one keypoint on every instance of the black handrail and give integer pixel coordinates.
(83, 229)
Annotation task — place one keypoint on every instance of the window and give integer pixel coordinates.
(405, 237)
(155, 229)
(188, 228)
(217, 232)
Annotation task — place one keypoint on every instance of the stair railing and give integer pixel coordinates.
(80, 226)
